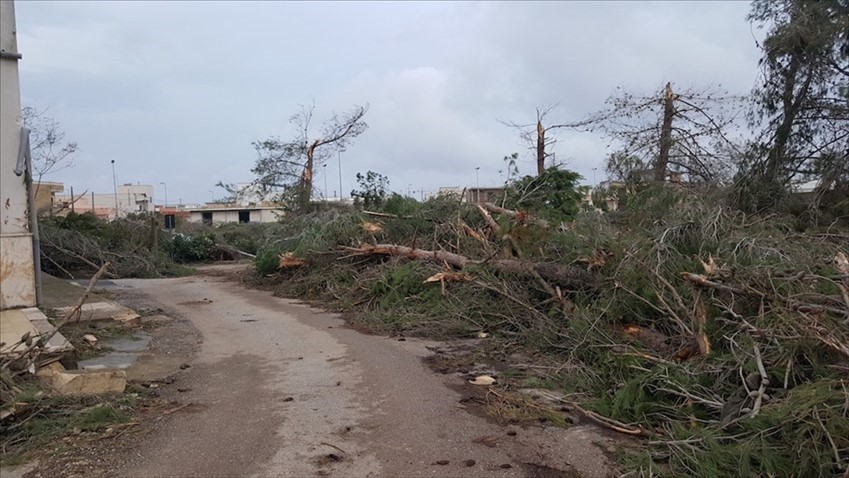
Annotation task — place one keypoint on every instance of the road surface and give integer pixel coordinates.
(280, 389)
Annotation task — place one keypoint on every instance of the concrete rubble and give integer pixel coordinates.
(83, 382)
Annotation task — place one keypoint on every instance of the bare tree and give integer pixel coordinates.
(688, 133)
(288, 166)
(539, 136)
(50, 152)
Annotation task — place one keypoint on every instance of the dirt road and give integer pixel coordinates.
(279, 389)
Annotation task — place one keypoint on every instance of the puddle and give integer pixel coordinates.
(125, 352)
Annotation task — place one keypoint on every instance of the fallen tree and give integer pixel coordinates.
(565, 276)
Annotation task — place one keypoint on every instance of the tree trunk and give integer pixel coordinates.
(665, 134)
(540, 148)
(566, 276)
(305, 192)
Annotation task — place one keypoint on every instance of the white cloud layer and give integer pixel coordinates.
(176, 91)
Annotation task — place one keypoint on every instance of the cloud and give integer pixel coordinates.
(176, 91)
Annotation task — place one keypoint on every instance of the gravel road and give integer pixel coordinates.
(280, 389)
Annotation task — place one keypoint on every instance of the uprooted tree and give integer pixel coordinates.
(288, 166)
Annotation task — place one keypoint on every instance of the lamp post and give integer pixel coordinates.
(478, 182)
(325, 183)
(211, 193)
(594, 181)
(166, 194)
(115, 188)
(339, 158)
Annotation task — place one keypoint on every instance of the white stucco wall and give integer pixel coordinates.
(232, 215)
(17, 276)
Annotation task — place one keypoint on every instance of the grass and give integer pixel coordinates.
(43, 418)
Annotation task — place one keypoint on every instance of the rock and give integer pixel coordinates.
(82, 383)
(506, 466)
(91, 339)
(470, 462)
(483, 380)
(443, 462)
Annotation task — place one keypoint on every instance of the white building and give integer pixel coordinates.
(131, 199)
(212, 214)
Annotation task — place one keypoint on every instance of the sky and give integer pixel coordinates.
(176, 92)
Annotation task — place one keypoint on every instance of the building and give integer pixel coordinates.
(131, 199)
(216, 213)
(481, 195)
(45, 196)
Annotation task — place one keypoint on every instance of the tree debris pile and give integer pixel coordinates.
(719, 336)
(75, 245)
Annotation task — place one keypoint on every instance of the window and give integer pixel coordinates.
(244, 216)
(207, 218)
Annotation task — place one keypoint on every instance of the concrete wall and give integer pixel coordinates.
(135, 198)
(17, 275)
(232, 215)
(132, 199)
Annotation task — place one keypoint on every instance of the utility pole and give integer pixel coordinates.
(325, 183)
(166, 194)
(115, 189)
(339, 158)
(478, 182)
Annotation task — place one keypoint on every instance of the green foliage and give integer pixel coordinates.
(266, 262)
(79, 243)
(373, 189)
(199, 248)
(552, 195)
(400, 205)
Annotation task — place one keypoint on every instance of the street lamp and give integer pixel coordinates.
(115, 188)
(212, 194)
(478, 181)
(594, 181)
(166, 194)
(339, 158)
(325, 182)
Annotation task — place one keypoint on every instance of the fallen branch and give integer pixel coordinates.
(610, 423)
(493, 226)
(520, 216)
(703, 281)
(567, 276)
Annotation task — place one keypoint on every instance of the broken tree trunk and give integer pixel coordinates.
(518, 215)
(665, 134)
(540, 148)
(565, 276)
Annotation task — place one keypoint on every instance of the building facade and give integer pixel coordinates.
(221, 214)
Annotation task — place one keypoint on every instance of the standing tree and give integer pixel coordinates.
(373, 189)
(802, 103)
(50, 152)
(686, 133)
(540, 138)
(289, 165)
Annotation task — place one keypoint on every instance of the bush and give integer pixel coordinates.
(199, 248)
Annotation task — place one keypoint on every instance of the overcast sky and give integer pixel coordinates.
(176, 92)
